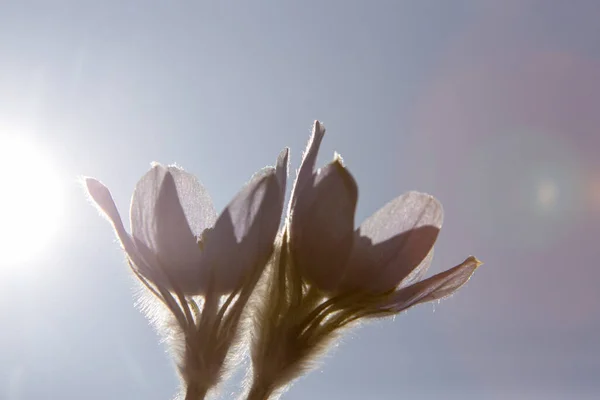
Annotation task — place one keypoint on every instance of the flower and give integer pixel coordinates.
(178, 243)
(188, 259)
(390, 251)
(326, 274)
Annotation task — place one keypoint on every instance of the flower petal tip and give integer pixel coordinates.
(337, 158)
(92, 183)
(97, 191)
(473, 259)
(104, 203)
(283, 160)
(318, 128)
(284, 154)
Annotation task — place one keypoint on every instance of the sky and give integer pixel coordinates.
(491, 106)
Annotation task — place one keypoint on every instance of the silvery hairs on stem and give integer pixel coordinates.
(198, 270)
(327, 275)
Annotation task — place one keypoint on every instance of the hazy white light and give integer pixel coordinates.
(547, 195)
(30, 200)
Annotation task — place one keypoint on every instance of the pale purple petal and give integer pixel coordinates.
(104, 201)
(243, 236)
(143, 205)
(148, 264)
(150, 267)
(194, 199)
(176, 248)
(309, 159)
(393, 241)
(281, 169)
(419, 272)
(434, 288)
(322, 230)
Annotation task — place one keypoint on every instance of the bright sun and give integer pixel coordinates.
(30, 200)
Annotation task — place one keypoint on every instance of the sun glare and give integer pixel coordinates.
(30, 200)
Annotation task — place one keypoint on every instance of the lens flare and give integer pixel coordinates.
(547, 195)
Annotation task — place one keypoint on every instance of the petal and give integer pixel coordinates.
(193, 198)
(148, 265)
(176, 246)
(393, 242)
(281, 169)
(244, 233)
(436, 287)
(322, 230)
(419, 272)
(307, 167)
(104, 201)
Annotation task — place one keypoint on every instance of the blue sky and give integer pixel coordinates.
(491, 106)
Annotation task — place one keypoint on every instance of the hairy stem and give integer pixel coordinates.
(195, 391)
(258, 391)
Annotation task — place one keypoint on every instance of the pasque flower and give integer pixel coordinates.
(189, 258)
(328, 274)
(323, 273)
(177, 241)
(392, 249)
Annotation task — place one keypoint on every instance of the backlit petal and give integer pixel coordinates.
(176, 245)
(193, 198)
(143, 205)
(322, 230)
(104, 201)
(244, 233)
(309, 158)
(393, 242)
(281, 169)
(436, 287)
(419, 272)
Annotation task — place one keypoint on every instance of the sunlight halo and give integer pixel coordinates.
(31, 200)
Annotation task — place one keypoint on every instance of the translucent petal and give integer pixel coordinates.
(143, 204)
(176, 245)
(436, 287)
(322, 230)
(281, 169)
(103, 199)
(194, 199)
(244, 233)
(309, 159)
(105, 203)
(419, 272)
(393, 241)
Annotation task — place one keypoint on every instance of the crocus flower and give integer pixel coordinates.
(189, 258)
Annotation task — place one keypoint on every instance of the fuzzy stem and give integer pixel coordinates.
(195, 391)
(197, 370)
(259, 391)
